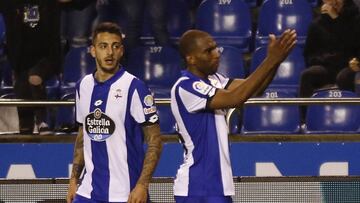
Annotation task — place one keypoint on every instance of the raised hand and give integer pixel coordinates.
(279, 49)
(354, 64)
(330, 10)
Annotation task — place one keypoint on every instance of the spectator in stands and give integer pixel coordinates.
(33, 49)
(134, 12)
(198, 100)
(332, 48)
(357, 2)
(76, 24)
(116, 110)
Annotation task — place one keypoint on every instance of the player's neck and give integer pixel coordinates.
(102, 76)
(196, 72)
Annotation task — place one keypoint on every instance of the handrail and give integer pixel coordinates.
(252, 101)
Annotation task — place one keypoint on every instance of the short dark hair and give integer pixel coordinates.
(109, 27)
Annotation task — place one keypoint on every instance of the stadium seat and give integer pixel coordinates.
(229, 22)
(251, 3)
(278, 15)
(77, 63)
(178, 21)
(314, 3)
(289, 72)
(234, 121)
(159, 67)
(6, 80)
(65, 117)
(231, 62)
(333, 118)
(272, 119)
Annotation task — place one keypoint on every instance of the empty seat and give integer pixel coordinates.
(288, 75)
(251, 3)
(314, 3)
(278, 15)
(231, 62)
(234, 120)
(271, 119)
(159, 67)
(229, 22)
(65, 117)
(333, 118)
(77, 63)
(6, 80)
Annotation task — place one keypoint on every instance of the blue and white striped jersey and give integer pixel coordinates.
(206, 170)
(112, 113)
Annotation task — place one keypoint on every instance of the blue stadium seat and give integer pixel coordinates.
(178, 21)
(278, 15)
(65, 117)
(251, 3)
(229, 22)
(272, 119)
(77, 63)
(167, 120)
(234, 121)
(289, 72)
(53, 88)
(314, 3)
(158, 66)
(231, 62)
(6, 80)
(333, 118)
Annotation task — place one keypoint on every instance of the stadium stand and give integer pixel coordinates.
(334, 118)
(178, 21)
(158, 66)
(272, 119)
(229, 22)
(77, 63)
(275, 16)
(231, 62)
(288, 75)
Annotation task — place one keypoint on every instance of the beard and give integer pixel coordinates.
(105, 68)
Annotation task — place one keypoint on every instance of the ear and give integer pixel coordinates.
(190, 60)
(122, 51)
(92, 51)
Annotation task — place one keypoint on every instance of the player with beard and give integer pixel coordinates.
(199, 100)
(115, 111)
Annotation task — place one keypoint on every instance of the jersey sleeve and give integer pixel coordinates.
(142, 107)
(219, 78)
(195, 95)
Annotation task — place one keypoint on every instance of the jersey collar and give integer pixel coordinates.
(114, 78)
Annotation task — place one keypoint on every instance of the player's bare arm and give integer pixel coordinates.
(239, 92)
(78, 165)
(152, 156)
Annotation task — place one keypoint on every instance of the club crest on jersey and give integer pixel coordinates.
(118, 93)
(99, 126)
(202, 87)
(149, 100)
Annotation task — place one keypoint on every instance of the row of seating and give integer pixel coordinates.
(231, 22)
(267, 119)
(159, 67)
